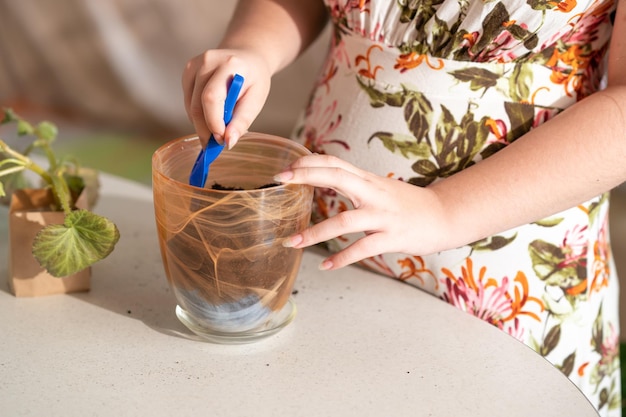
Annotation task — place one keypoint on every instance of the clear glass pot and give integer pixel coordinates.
(221, 245)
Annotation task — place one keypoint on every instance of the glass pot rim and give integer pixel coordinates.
(246, 137)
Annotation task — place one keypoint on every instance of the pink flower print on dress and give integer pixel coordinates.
(607, 345)
(610, 347)
(543, 115)
(574, 246)
(501, 49)
(501, 305)
(328, 120)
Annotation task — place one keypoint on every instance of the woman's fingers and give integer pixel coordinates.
(188, 84)
(208, 104)
(346, 222)
(382, 209)
(327, 161)
(251, 101)
(330, 172)
(205, 84)
(345, 183)
(371, 245)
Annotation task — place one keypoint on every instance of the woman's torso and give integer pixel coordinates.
(419, 90)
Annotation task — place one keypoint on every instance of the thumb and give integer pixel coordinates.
(232, 136)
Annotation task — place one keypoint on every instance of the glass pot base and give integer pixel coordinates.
(277, 321)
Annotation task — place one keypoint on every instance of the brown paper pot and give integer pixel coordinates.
(27, 216)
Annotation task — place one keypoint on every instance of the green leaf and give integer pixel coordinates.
(604, 397)
(418, 113)
(541, 5)
(597, 332)
(425, 167)
(83, 239)
(551, 340)
(421, 181)
(520, 82)
(519, 33)
(9, 116)
(61, 192)
(491, 149)
(493, 243)
(380, 98)
(568, 364)
(549, 222)
(12, 182)
(492, 25)
(24, 128)
(91, 182)
(478, 78)
(47, 131)
(546, 258)
(521, 117)
(75, 183)
(405, 144)
(531, 42)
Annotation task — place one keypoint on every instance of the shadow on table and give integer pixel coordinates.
(132, 281)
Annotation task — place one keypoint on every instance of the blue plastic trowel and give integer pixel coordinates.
(200, 169)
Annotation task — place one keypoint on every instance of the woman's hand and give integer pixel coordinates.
(262, 38)
(205, 83)
(395, 216)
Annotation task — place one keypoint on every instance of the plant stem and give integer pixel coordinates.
(28, 163)
(12, 170)
(52, 161)
(54, 178)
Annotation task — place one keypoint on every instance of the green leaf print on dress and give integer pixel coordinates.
(439, 85)
(563, 267)
(453, 145)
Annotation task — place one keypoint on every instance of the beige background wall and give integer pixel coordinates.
(119, 62)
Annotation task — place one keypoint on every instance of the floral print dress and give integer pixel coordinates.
(418, 90)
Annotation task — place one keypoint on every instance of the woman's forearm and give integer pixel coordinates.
(575, 156)
(279, 29)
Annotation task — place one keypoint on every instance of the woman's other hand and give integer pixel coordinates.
(394, 215)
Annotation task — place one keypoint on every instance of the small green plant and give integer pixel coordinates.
(85, 237)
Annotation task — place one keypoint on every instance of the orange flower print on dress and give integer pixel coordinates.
(412, 60)
(573, 59)
(567, 66)
(377, 263)
(368, 71)
(419, 271)
(564, 6)
(499, 302)
(499, 130)
(601, 259)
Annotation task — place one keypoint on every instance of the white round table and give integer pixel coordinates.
(361, 345)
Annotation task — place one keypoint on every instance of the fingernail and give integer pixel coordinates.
(218, 139)
(292, 241)
(325, 265)
(283, 176)
(232, 139)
